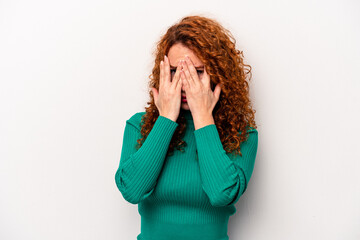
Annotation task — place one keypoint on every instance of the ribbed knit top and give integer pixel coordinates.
(188, 195)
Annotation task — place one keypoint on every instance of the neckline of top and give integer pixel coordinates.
(187, 115)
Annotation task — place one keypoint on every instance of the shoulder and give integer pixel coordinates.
(136, 119)
(252, 135)
(251, 139)
(251, 130)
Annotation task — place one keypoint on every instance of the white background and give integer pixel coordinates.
(72, 72)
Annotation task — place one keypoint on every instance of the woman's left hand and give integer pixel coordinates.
(200, 98)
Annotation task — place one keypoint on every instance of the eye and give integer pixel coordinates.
(172, 70)
(200, 71)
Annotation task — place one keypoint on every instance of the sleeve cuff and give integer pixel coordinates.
(208, 138)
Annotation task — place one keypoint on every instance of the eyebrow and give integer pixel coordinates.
(195, 67)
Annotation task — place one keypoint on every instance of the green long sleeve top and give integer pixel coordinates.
(188, 195)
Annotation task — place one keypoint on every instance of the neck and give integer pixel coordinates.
(187, 115)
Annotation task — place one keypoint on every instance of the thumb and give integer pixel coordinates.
(217, 90)
(155, 93)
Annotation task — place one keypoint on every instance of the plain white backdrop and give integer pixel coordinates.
(73, 71)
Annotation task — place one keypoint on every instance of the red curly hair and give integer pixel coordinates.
(215, 47)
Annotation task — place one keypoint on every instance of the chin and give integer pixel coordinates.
(185, 106)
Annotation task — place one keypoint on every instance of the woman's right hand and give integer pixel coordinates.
(168, 98)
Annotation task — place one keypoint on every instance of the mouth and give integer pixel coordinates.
(183, 99)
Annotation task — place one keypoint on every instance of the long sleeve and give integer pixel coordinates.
(224, 175)
(139, 169)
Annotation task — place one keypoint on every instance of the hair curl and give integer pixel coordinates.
(215, 46)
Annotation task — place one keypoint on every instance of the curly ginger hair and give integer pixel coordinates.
(215, 46)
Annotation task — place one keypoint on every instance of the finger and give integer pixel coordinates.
(192, 81)
(187, 77)
(177, 77)
(191, 69)
(167, 69)
(184, 82)
(161, 73)
(206, 79)
(178, 85)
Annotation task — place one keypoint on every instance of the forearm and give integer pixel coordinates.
(224, 179)
(138, 171)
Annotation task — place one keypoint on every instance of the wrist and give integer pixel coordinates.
(202, 121)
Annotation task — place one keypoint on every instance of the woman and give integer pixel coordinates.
(181, 160)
